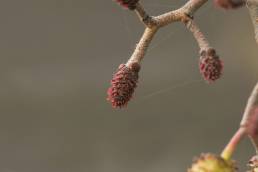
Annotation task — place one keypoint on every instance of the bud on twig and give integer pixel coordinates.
(229, 4)
(129, 4)
(123, 85)
(253, 164)
(212, 163)
(210, 65)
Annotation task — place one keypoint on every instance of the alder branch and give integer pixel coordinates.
(252, 5)
(125, 79)
(250, 117)
(187, 10)
(153, 23)
(143, 45)
(144, 16)
(249, 120)
(233, 143)
(252, 103)
(198, 35)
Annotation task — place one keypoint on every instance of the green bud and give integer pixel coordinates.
(212, 163)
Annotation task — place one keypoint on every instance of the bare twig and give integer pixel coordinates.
(198, 35)
(143, 45)
(249, 118)
(211, 68)
(144, 16)
(253, 10)
(154, 23)
(192, 6)
(252, 103)
(231, 147)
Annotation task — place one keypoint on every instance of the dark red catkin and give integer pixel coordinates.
(210, 65)
(229, 4)
(123, 85)
(128, 4)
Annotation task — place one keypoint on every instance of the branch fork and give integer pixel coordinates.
(126, 78)
(152, 25)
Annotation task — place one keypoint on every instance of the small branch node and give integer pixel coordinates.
(147, 20)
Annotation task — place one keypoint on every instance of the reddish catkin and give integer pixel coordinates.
(210, 65)
(128, 4)
(229, 4)
(123, 85)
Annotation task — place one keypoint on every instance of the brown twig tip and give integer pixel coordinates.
(128, 4)
(123, 85)
(229, 4)
(212, 163)
(210, 65)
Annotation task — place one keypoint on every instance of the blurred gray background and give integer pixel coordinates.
(56, 60)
